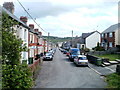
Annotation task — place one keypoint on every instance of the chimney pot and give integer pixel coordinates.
(36, 30)
(23, 19)
(40, 33)
(31, 26)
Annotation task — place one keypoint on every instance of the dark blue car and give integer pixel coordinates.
(73, 53)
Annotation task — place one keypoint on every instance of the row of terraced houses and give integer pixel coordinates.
(30, 35)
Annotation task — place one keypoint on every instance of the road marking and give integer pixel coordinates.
(95, 70)
(110, 69)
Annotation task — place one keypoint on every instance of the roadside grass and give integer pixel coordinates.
(113, 80)
(111, 57)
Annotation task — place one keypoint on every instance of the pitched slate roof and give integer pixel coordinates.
(14, 17)
(112, 28)
(85, 35)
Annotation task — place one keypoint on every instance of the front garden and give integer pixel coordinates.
(111, 57)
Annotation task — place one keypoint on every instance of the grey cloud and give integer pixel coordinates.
(43, 9)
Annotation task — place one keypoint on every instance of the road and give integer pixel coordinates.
(61, 73)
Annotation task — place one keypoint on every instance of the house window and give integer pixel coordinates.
(25, 35)
(106, 35)
(102, 44)
(110, 44)
(110, 34)
(102, 35)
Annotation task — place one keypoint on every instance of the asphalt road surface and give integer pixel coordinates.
(61, 73)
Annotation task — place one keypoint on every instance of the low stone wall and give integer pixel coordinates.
(35, 67)
(92, 59)
(118, 69)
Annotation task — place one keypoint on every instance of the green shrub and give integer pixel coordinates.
(98, 48)
(16, 76)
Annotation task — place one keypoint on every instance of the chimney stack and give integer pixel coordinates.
(9, 6)
(31, 26)
(36, 30)
(40, 33)
(23, 19)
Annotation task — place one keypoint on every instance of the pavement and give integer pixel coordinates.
(61, 73)
(103, 71)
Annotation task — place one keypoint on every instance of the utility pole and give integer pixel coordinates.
(72, 38)
(48, 42)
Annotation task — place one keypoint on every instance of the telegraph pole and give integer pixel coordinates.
(48, 42)
(72, 38)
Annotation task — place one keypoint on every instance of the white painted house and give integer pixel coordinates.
(22, 32)
(90, 40)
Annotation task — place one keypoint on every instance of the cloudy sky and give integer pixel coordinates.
(60, 17)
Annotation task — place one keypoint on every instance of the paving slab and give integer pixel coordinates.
(104, 70)
(113, 62)
(118, 60)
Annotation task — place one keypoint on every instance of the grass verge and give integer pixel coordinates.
(113, 80)
(111, 57)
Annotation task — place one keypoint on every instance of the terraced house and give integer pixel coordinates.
(35, 42)
(111, 36)
(21, 31)
(31, 37)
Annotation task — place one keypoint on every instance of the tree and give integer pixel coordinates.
(11, 45)
(14, 74)
(98, 47)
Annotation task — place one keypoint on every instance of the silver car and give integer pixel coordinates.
(81, 60)
(48, 56)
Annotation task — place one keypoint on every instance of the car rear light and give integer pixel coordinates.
(68, 53)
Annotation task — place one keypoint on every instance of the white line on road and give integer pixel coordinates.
(95, 71)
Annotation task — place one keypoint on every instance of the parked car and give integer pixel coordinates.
(73, 53)
(52, 52)
(67, 54)
(81, 60)
(48, 56)
(65, 51)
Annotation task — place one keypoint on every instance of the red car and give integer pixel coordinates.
(67, 54)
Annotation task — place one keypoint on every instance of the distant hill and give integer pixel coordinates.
(57, 39)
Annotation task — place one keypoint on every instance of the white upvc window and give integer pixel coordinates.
(25, 32)
(102, 44)
(111, 34)
(102, 35)
(110, 44)
(106, 35)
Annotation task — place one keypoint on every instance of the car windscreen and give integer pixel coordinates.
(82, 58)
(75, 52)
(48, 54)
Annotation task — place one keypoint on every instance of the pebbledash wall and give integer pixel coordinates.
(22, 32)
